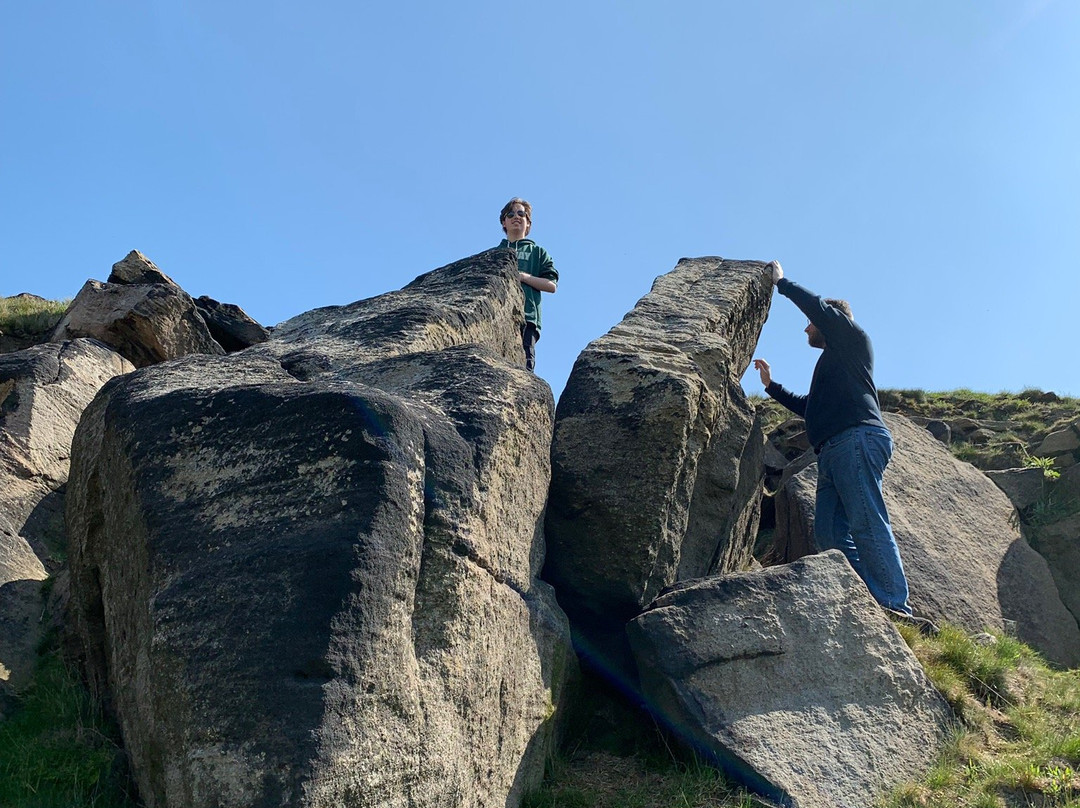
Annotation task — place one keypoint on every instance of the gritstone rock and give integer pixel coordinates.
(794, 680)
(230, 325)
(1023, 487)
(43, 391)
(1059, 543)
(965, 559)
(657, 459)
(136, 268)
(145, 323)
(307, 573)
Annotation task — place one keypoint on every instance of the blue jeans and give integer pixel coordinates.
(850, 513)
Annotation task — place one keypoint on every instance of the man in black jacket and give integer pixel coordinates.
(853, 445)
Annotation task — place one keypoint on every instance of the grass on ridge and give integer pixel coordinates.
(28, 314)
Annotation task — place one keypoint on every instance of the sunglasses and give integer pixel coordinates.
(516, 214)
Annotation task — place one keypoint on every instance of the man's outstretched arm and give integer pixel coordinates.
(793, 402)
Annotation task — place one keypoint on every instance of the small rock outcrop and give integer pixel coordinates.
(794, 680)
(307, 574)
(230, 325)
(657, 454)
(1059, 543)
(1023, 487)
(965, 559)
(43, 391)
(145, 316)
(145, 323)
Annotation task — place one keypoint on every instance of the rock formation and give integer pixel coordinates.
(146, 317)
(792, 678)
(1058, 542)
(306, 574)
(657, 454)
(43, 391)
(965, 559)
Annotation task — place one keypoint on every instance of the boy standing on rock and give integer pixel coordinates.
(852, 443)
(537, 271)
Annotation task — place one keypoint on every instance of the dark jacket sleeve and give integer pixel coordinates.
(795, 403)
(830, 321)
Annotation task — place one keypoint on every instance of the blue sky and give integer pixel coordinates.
(921, 159)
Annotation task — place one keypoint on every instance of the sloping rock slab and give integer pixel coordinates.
(965, 559)
(43, 391)
(145, 323)
(657, 458)
(794, 680)
(474, 300)
(324, 592)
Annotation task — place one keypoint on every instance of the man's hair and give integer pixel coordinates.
(509, 206)
(843, 305)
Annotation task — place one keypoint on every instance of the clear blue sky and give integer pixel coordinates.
(920, 158)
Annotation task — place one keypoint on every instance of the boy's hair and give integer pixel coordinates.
(843, 305)
(509, 206)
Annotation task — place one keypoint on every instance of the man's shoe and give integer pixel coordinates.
(926, 627)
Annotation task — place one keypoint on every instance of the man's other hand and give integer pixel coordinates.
(777, 271)
(762, 367)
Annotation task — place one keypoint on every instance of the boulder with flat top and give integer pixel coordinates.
(308, 573)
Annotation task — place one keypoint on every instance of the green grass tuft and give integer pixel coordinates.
(26, 314)
(1019, 739)
(57, 750)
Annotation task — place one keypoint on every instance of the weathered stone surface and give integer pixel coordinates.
(965, 559)
(136, 268)
(230, 325)
(940, 430)
(794, 680)
(469, 301)
(1064, 441)
(1059, 543)
(1067, 487)
(1023, 487)
(145, 323)
(43, 391)
(658, 455)
(323, 591)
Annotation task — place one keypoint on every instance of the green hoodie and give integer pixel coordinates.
(532, 258)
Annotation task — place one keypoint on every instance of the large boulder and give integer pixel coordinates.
(43, 392)
(965, 559)
(315, 582)
(657, 459)
(793, 679)
(145, 323)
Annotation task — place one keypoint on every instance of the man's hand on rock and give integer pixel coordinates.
(777, 271)
(762, 368)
